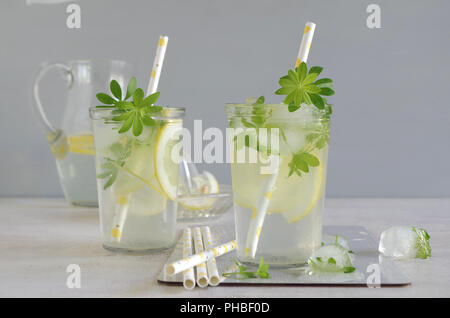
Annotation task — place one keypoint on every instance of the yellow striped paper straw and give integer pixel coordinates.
(202, 274)
(188, 274)
(258, 216)
(121, 209)
(119, 218)
(191, 261)
(157, 64)
(305, 44)
(213, 273)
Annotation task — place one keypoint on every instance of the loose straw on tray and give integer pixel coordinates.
(258, 216)
(194, 260)
(202, 274)
(188, 274)
(213, 273)
(121, 209)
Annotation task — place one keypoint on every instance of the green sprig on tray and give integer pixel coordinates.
(243, 272)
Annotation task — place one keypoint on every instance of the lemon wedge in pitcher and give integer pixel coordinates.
(82, 144)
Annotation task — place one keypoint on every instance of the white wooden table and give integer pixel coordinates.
(40, 237)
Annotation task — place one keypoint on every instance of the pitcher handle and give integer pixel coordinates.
(67, 73)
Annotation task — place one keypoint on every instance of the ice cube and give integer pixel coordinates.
(336, 239)
(332, 259)
(403, 242)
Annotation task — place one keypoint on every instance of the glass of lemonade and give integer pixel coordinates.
(292, 226)
(137, 181)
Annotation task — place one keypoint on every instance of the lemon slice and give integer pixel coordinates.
(58, 144)
(138, 168)
(206, 183)
(197, 203)
(166, 169)
(293, 197)
(82, 144)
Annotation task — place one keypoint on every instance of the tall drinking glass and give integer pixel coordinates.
(279, 163)
(137, 180)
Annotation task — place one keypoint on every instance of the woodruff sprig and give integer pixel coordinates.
(132, 113)
(301, 86)
(244, 273)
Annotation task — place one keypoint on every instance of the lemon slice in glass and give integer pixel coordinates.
(293, 197)
(166, 168)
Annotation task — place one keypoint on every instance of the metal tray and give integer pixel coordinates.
(367, 261)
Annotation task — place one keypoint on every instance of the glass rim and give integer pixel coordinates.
(105, 113)
(275, 110)
(97, 60)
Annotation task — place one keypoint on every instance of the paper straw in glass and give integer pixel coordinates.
(305, 44)
(157, 64)
(121, 210)
(257, 219)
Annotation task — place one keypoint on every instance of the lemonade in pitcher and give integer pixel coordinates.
(76, 168)
(137, 175)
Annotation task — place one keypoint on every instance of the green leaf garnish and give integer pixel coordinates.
(301, 86)
(115, 89)
(110, 168)
(303, 160)
(422, 243)
(257, 119)
(105, 99)
(243, 272)
(132, 86)
(349, 269)
(133, 113)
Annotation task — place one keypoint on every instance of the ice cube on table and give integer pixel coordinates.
(403, 242)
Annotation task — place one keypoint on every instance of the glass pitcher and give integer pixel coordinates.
(71, 141)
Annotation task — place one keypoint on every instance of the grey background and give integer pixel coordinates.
(390, 130)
